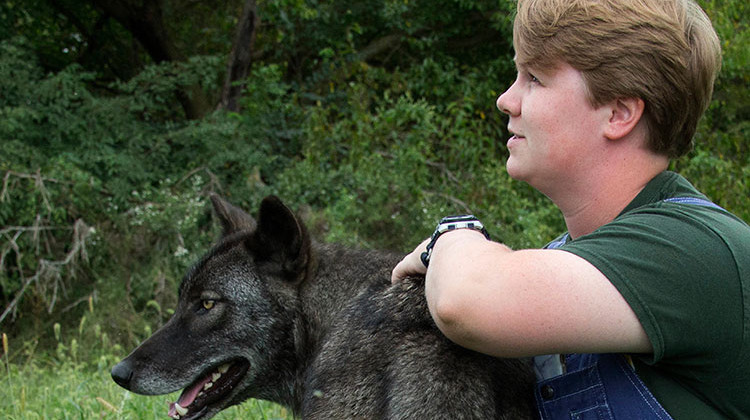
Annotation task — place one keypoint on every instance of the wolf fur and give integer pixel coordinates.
(268, 313)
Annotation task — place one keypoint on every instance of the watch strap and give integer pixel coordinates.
(448, 224)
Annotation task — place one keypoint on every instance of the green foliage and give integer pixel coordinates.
(378, 117)
(397, 158)
(151, 92)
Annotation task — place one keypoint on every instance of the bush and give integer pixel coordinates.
(105, 183)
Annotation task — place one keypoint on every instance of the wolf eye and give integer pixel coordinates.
(208, 304)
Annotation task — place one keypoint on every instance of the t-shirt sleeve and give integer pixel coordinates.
(678, 276)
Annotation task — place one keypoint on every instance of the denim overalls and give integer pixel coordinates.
(596, 386)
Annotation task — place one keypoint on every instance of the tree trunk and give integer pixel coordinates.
(144, 20)
(240, 58)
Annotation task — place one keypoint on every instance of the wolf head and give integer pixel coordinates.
(232, 335)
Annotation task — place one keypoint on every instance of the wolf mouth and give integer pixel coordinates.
(210, 388)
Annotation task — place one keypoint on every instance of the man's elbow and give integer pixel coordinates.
(450, 314)
(462, 322)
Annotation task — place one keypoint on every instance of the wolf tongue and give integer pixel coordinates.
(188, 395)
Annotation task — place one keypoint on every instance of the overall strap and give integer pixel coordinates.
(558, 243)
(694, 201)
(550, 365)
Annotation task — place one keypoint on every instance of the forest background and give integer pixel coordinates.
(374, 118)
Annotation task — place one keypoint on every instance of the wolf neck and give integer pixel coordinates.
(341, 275)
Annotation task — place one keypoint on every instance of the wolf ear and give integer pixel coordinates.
(232, 218)
(281, 237)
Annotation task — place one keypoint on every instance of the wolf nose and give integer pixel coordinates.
(122, 373)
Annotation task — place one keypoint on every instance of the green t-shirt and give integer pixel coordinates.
(684, 269)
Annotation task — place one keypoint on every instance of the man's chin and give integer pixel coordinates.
(516, 169)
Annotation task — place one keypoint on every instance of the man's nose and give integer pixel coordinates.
(507, 104)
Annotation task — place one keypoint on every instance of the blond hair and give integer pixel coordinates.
(665, 52)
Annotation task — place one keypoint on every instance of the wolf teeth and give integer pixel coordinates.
(180, 410)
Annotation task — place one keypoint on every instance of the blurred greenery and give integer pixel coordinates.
(376, 117)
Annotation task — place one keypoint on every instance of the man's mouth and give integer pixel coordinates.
(514, 135)
(210, 388)
(515, 138)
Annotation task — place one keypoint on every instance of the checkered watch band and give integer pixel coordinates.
(449, 223)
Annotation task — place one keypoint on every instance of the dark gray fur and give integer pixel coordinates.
(323, 330)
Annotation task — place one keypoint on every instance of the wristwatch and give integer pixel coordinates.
(467, 221)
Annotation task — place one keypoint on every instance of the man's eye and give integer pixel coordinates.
(208, 304)
(533, 78)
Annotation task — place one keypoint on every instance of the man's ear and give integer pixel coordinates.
(624, 116)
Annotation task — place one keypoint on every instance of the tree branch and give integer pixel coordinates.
(50, 270)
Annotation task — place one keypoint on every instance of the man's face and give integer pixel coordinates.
(555, 127)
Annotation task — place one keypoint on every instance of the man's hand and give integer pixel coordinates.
(411, 265)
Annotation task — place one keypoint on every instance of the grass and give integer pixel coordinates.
(69, 392)
(69, 385)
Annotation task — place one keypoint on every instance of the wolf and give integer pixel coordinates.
(269, 313)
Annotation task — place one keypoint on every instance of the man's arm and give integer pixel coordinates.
(486, 297)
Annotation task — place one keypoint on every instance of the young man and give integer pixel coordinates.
(607, 93)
